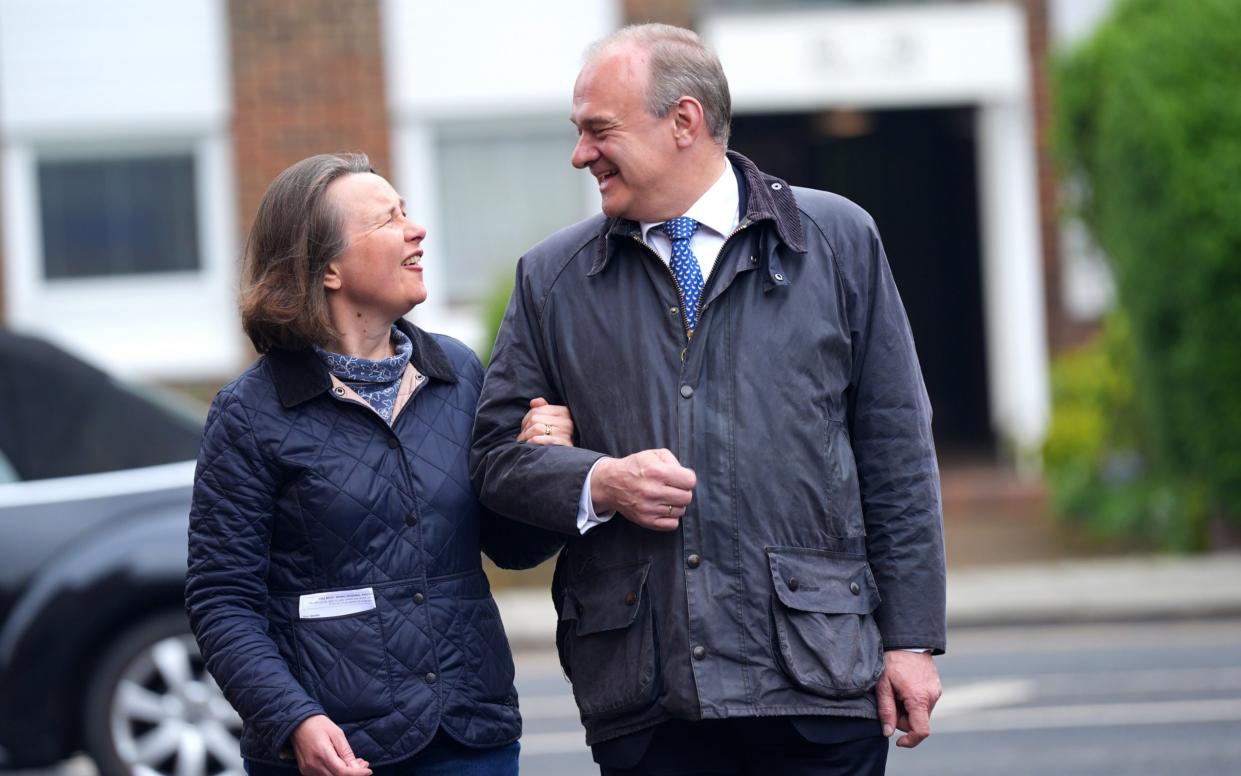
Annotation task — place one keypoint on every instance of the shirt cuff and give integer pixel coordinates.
(912, 649)
(586, 516)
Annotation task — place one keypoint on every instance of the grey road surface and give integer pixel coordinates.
(1140, 699)
(1147, 699)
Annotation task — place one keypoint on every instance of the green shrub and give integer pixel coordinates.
(1098, 456)
(493, 314)
(1149, 120)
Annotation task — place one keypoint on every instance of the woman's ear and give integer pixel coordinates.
(331, 278)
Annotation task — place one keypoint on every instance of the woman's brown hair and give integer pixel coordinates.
(296, 232)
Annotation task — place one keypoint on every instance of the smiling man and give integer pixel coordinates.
(754, 580)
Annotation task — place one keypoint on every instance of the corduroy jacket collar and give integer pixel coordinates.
(766, 198)
(301, 375)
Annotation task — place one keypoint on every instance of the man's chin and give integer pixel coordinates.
(613, 207)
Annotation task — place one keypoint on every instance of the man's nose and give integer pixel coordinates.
(583, 153)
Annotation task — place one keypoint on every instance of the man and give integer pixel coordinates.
(755, 578)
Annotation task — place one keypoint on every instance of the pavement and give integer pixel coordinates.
(1078, 590)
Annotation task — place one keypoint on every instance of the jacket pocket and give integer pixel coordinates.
(491, 673)
(606, 637)
(344, 665)
(825, 637)
(844, 498)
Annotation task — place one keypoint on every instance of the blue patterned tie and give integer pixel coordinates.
(684, 264)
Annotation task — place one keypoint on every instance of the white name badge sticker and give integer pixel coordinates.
(336, 603)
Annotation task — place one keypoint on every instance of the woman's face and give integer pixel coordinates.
(378, 274)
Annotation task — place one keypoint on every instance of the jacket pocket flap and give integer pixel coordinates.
(605, 599)
(812, 580)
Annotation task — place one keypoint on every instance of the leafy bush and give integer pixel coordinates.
(493, 311)
(1098, 456)
(1149, 120)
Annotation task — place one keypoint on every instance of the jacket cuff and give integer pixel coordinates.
(278, 739)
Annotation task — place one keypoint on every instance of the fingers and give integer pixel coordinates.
(887, 705)
(546, 420)
(670, 471)
(919, 724)
(322, 749)
(650, 488)
(658, 497)
(346, 764)
(911, 681)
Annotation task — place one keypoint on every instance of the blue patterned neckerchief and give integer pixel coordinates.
(375, 381)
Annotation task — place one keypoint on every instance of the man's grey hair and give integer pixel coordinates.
(681, 65)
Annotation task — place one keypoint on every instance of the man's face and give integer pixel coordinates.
(630, 152)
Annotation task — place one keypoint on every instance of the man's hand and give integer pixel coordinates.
(547, 424)
(322, 750)
(649, 488)
(907, 692)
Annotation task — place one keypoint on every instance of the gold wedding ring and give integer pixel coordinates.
(547, 430)
(669, 511)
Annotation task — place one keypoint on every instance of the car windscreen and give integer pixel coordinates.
(60, 416)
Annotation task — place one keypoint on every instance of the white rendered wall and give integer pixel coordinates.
(921, 56)
(81, 78)
(489, 62)
(1013, 302)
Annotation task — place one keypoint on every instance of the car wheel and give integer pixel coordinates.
(152, 709)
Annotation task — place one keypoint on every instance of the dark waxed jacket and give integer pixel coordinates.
(301, 490)
(814, 539)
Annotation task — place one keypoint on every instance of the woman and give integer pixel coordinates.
(334, 581)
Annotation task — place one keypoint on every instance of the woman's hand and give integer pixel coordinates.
(547, 424)
(323, 750)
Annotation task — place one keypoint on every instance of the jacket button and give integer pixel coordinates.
(339, 391)
(853, 588)
(693, 561)
(699, 653)
(393, 443)
(778, 277)
(674, 310)
(792, 583)
(631, 598)
(431, 677)
(411, 520)
(687, 391)
(419, 598)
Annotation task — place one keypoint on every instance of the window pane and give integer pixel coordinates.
(500, 195)
(118, 216)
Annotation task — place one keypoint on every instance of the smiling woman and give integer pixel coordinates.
(335, 583)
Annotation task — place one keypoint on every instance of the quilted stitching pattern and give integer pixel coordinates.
(313, 497)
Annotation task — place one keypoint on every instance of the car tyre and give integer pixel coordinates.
(151, 708)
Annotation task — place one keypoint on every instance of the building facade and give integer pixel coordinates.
(136, 139)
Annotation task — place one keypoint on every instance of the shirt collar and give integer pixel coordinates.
(716, 209)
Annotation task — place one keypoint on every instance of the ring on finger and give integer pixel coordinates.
(669, 511)
(547, 430)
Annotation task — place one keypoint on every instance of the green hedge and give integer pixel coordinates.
(1148, 118)
(1099, 456)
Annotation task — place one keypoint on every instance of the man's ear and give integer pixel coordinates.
(690, 122)
(331, 278)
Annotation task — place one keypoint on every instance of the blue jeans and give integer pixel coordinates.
(442, 757)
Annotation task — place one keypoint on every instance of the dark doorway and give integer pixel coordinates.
(914, 172)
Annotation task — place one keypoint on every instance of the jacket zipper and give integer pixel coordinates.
(689, 335)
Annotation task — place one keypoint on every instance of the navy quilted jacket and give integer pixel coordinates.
(299, 491)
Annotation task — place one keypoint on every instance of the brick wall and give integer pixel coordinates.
(307, 78)
(1062, 330)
